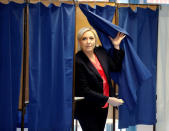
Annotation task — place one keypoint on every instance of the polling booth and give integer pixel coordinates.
(38, 43)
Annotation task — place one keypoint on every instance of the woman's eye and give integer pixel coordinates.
(91, 38)
(84, 38)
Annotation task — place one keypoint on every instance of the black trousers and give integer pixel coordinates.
(93, 119)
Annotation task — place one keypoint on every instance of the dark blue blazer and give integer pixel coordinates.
(89, 83)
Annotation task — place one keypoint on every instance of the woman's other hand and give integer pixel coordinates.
(117, 40)
(115, 101)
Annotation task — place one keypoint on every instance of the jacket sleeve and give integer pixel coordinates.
(115, 60)
(82, 87)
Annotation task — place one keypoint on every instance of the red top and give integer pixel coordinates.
(99, 68)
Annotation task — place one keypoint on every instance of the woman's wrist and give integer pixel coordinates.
(117, 47)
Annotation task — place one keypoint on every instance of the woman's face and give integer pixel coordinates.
(87, 41)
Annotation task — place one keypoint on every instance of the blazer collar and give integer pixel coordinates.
(91, 66)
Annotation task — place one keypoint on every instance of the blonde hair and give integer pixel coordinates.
(85, 29)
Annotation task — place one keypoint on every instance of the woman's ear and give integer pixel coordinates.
(79, 46)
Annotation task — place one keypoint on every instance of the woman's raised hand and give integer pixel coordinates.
(117, 40)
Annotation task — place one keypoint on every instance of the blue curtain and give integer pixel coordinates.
(142, 24)
(11, 40)
(138, 1)
(51, 37)
(120, 1)
(131, 1)
(107, 12)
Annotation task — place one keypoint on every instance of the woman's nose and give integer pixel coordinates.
(88, 41)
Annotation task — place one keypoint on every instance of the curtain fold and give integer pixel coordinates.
(163, 71)
(11, 40)
(142, 24)
(51, 36)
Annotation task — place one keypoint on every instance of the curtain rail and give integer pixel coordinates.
(58, 2)
(78, 2)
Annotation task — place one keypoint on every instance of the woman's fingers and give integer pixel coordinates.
(118, 36)
(122, 35)
(115, 102)
(121, 100)
(110, 38)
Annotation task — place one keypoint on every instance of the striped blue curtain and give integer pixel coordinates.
(130, 1)
(142, 24)
(51, 37)
(138, 1)
(11, 40)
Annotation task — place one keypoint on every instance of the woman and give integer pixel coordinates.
(93, 82)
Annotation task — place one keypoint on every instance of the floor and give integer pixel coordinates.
(108, 126)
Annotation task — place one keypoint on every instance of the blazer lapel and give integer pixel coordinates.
(90, 65)
(102, 61)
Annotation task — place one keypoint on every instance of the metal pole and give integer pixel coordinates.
(115, 85)
(24, 65)
(73, 90)
(76, 126)
(114, 109)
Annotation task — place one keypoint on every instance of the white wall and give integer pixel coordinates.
(144, 127)
(122, 1)
(163, 71)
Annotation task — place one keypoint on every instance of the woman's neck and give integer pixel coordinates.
(91, 56)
